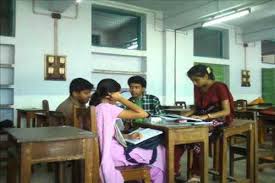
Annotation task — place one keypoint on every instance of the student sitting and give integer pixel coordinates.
(148, 103)
(213, 102)
(80, 93)
(112, 151)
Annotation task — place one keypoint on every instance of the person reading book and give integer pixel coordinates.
(148, 103)
(213, 102)
(112, 151)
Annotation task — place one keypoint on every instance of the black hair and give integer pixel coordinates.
(200, 71)
(103, 89)
(137, 80)
(80, 84)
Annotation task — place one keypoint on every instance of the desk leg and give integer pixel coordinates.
(11, 169)
(204, 161)
(88, 162)
(28, 120)
(170, 153)
(18, 119)
(223, 159)
(261, 132)
(25, 163)
(216, 157)
(250, 155)
(255, 150)
(60, 172)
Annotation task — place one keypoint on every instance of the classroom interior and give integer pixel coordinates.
(45, 44)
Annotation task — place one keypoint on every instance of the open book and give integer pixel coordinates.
(174, 117)
(147, 133)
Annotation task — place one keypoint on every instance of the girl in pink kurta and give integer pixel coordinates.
(112, 152)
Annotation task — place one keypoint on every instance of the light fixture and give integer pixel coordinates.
(78, 1)
(226, 17)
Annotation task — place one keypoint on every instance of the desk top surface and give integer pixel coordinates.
(177, 109)
(257, 107)
(30, 109)
(45, 134)
(170, 124)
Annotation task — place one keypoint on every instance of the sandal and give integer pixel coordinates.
(194, 180)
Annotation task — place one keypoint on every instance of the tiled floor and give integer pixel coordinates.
(42, 175)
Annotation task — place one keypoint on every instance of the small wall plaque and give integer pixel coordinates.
(245, 78)
(55, 67)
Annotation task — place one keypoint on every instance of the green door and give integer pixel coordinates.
(268, 85)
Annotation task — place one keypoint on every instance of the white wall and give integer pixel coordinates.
(34, 39)
(33, 43)
(185, 60)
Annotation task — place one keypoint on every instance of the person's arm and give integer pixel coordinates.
(222, 113)
(133, 111)
(189, 113)
(133, 136)
(157, 107)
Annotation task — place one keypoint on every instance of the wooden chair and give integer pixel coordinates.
(49, 118)
(237, 144)
(181, 103)
(86, 118)
(238, 127)
(4, 145)
(267, 155)
(240, 104)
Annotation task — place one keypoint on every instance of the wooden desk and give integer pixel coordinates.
(257, 108)
(178, 111)
(50, 118)
(176, 134)
(50, 144)
(29, 114)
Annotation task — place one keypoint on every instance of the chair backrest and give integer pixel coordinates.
(240, 104)
(249, 115)
(82, 118)
(85, 118)
(181, 103)
(45, 105)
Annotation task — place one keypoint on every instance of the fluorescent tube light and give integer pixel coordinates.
(226, 17)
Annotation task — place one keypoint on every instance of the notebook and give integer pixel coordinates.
(174, 117)
(146, 133)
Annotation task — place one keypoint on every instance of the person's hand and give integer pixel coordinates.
(195, 116)
(203, 117)
(116, 96)
(135, 136)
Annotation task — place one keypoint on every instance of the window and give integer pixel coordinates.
(7, 17)
(211, 43)
(221, 72)
(117, 28)
(268, 51)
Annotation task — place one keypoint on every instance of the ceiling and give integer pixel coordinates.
(183, 13)
(57, 6)
(170, 8)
